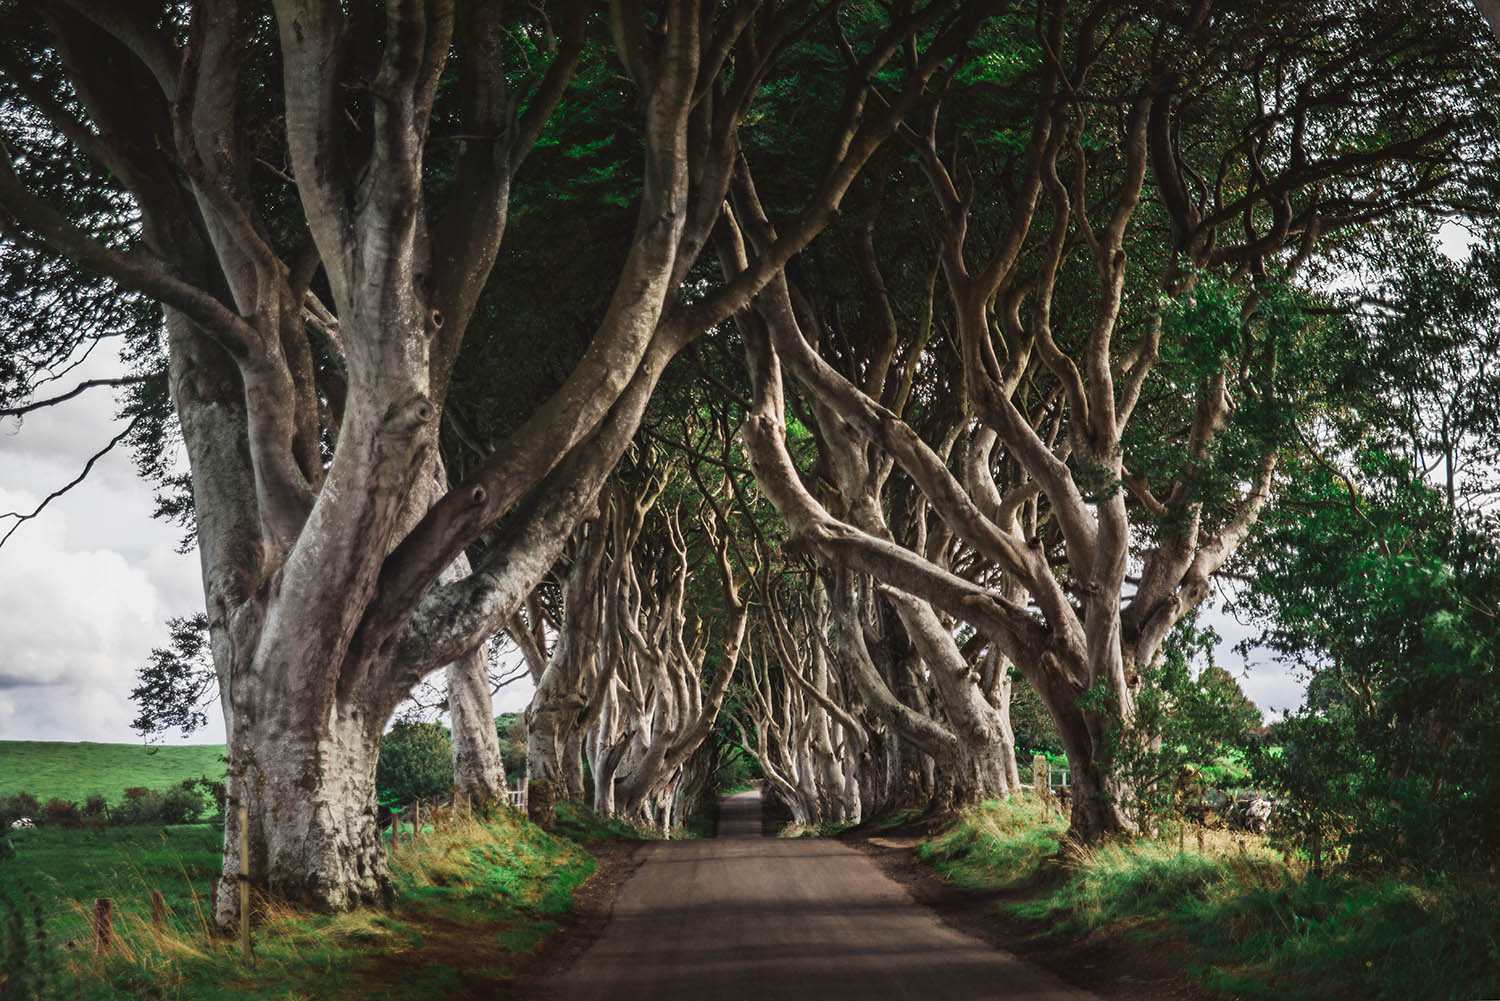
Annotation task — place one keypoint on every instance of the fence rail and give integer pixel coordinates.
(517, 797)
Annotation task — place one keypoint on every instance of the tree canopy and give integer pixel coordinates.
(825, 376)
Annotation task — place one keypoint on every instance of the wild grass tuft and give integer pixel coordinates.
(1245, 923)
(999, 843)
(471, 895)
(581, 823)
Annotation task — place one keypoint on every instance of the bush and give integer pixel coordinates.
(22, 804)
(214, 789)
(181, 804)
(184, 803)
(512, 730)
(416, 762)
(62, 813)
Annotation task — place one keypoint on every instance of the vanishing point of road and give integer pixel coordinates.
(742, 917)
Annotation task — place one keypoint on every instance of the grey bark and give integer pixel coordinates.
(326, 602)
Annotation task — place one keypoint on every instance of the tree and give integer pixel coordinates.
(1122, 323)
(1378, 578)
(315, 198)
(415, 762)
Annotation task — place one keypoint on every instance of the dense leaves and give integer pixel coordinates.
(416, 762)
(1379, 576)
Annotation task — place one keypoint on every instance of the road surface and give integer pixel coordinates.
(746, 918)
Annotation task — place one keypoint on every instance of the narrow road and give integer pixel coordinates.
(746, 918)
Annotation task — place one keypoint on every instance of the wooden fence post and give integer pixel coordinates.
(245, 883)
(416, 820)
(158, 911)
(104, 909)
(1040, 782)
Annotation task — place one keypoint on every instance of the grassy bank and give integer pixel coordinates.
(471, 897)
(1245, 923)
(75, 771)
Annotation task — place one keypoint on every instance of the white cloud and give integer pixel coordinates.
(87, 586)
(1269, 684)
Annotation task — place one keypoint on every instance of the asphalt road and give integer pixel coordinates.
(746, 918)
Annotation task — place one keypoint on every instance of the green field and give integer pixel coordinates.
(73, 771)
(65, 869)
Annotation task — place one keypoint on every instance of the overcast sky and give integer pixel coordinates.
(87, 587)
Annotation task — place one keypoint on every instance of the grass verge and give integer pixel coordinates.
(1241, 921)
(472, 896)
(582, 823)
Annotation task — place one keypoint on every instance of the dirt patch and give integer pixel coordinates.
(593, 903)
(1110, 965)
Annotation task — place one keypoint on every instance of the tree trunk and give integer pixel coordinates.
(1097, 811)
(310, 788)
(549, 725)
(478, 773)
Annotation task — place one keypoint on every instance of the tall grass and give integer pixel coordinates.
(471, 895)
(996, 844)
(1241, 919)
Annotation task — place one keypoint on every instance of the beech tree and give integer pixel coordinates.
(1116, 246)
(795, 720)
(315, 193)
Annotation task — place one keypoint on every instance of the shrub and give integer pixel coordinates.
(22, 804)
(512, 730)
(62, 813)
(181, 804)
(214, 789)
(95, 807)
(416, 762)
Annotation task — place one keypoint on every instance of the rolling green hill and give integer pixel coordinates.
(47, 768)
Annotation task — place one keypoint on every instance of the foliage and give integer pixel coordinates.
(1238, 918)
(511, 728)
(416, 763)
(736, 773)
(183, 803)
(1187, 732)
(1031, 722)
(1390, 759)
(176, 685)
(1379, 577)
